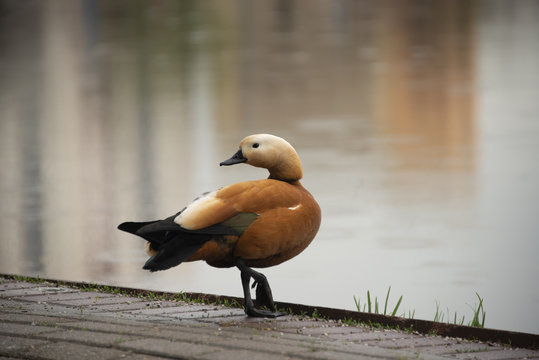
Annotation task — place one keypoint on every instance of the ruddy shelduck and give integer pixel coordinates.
(249, 224)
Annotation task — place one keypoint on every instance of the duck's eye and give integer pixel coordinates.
(255, 145)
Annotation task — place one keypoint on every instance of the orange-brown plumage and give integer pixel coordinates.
(257, 223)
(288, 219)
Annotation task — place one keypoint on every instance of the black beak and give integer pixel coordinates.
(235, 159)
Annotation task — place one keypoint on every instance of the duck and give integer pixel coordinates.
(250, 224)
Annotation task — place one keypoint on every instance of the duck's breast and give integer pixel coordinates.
(284, 228)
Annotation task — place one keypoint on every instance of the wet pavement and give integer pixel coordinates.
(43, 320)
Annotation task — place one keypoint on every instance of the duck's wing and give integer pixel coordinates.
(255, 196)
(226, 212)
(174, 244)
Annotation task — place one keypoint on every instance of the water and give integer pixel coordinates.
(417, 124)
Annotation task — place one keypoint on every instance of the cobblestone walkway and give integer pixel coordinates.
(44, 321)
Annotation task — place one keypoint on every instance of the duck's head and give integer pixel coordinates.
(270, 152)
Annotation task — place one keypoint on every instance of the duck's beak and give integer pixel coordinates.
(235, 159)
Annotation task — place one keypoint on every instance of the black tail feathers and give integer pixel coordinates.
(172, 243)
(132, 227)
(175, 251)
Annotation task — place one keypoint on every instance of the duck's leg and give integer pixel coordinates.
(246, 274)
(263, 298)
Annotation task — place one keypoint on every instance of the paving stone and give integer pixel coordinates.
(230, 337)
(397, 343)
(178, 328)
(123, 306)
(11, 345)
(354, 336)
(128, 326)
(296, 340)
(500, 354)
(332, 355)
(130, 316)
(132, 356)
(414, 342)
(373, 336)
(217, 320)
(204, 314)
(66, 296)
(297, 324)
(279, 336)
(91, 302)
(31, 318)
(331, 331)
(70, 351)
(263, 344)
(242, 320)
(184, 335)
(267, 342)
(366, 352)
(160, 310)
(88, 337)
(275, 322)
(155, 307)
(165, 347)
(6, 303)
(10, 285)
(8, 329)
(26, 294)
(240, 354)
(93, 325)
(193, 307)
(456, 348)
(184, 308)
(43, 309)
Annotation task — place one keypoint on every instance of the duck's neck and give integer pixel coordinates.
(285, 166)
(286, 173)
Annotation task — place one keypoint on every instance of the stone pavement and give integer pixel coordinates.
(46, 321)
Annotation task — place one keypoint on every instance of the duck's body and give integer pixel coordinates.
(271, 237)
(248, 224)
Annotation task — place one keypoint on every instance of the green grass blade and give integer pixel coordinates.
(397, 306)
(438, 316)
(387, 299)
(358, 306)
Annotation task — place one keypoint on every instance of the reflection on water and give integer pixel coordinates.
(416, 123)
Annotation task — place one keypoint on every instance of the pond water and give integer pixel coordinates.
(417, 124)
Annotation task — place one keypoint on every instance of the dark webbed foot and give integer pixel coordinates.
(263, 297)
(254, 312)
(263, 292)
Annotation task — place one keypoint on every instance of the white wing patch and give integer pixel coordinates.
(190, 217)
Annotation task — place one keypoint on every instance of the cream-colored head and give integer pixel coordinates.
(270, 152)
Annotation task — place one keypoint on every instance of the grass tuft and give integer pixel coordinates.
(373, 307)
(479, 314)
(368, 306)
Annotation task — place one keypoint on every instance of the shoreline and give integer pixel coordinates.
(426, 327)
